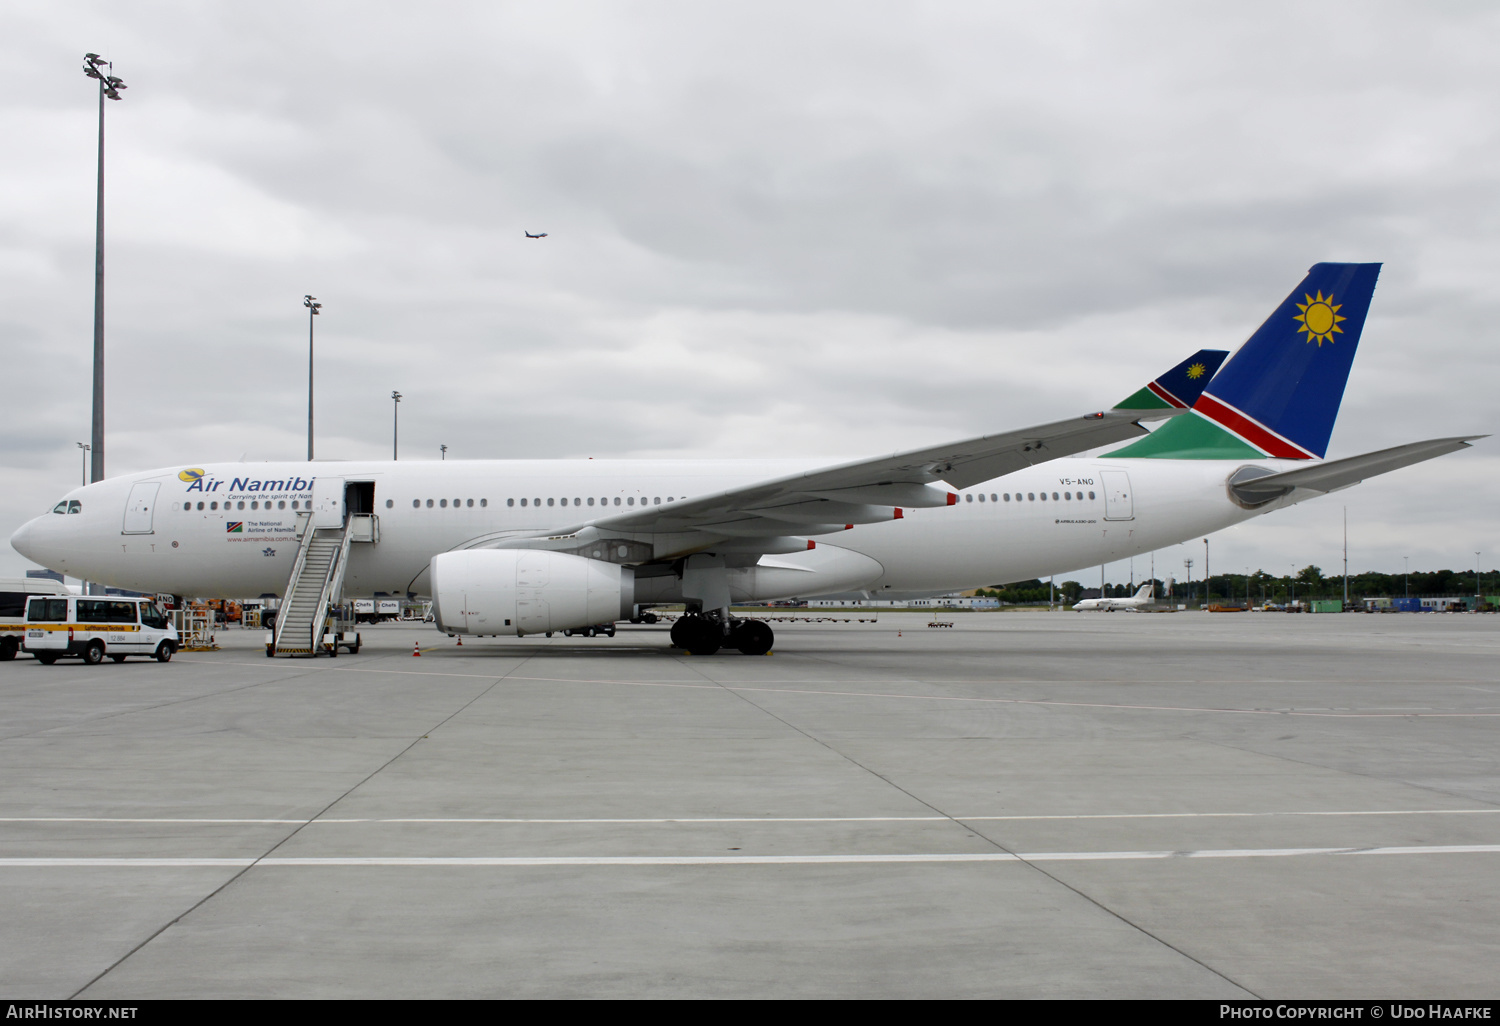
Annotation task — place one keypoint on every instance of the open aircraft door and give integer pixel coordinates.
(1118, 504)
(328, 502)
(139, 507)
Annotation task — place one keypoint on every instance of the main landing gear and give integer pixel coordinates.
(705, 635)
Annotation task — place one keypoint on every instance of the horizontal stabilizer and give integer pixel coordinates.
(1254, 486)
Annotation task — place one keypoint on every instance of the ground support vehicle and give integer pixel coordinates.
(602, 630)
(91, 628)
(13, 595)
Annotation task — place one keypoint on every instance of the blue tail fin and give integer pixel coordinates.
(1179, 387)
(1281, 391)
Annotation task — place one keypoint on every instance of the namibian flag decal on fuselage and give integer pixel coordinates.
(235, 527)
(1279, 395)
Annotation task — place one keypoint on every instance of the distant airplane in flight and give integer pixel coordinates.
(543, 235)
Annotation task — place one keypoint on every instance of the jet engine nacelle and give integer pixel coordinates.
(523, 591)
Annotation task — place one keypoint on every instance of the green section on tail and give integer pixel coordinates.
(1145, 399)
(1189, 437)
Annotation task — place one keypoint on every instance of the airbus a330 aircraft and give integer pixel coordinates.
(1144, 596)
(522, 547)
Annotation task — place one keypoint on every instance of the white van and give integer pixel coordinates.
(95, 626)
(14, 591)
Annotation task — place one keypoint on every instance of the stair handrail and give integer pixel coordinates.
(333, 583)
(308, 534)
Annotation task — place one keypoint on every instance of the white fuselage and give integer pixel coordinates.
(247, 545)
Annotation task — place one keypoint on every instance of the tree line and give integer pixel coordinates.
(1307, 583)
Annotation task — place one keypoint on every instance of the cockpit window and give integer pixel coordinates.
(74, 506)
(61, 507)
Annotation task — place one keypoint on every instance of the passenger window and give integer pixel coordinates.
(1054, 496)
(994, 497)
(483, 503)
(536, 502)
(591, 500)
(281, 504)
(416, 503)
(617, 500)
(443, 503)
(1067, 495)
(1007, 496)
(213, 505)
(74, 506)
(630, 501)
(456, 503)
(471, 503)
(968, 496)
(240, 504)
(388, 503)
(1091, 495)
(256, 505)
(981, 496)
(656, 501)
(512, 502)
(523, 502)
(1031, 496)
(550, 502)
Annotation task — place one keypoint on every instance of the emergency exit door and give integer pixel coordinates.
(140, 507)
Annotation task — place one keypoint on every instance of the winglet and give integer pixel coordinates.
(1179, 387)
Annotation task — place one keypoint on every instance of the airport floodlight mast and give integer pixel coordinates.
(444, 450)
(97, 67)
(395, 423)
(84, 446)
(313, 309)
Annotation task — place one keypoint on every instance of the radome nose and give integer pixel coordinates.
(25, 541)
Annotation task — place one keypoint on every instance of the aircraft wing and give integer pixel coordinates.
(1335, 474)
(779, 514)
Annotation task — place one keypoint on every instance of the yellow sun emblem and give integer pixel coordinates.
(1197, 371)
(1320, 318)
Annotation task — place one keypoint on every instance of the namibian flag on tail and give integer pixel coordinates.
(1279, 394)
(1179, 387)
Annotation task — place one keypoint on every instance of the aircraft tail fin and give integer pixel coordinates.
(1179, 387)
(1279, 395)
(1146, 591)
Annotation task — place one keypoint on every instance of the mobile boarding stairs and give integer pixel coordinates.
(310, 621)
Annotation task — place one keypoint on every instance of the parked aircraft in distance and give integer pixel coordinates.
(1144, 597)
(523, 547)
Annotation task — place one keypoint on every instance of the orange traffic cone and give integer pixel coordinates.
(416, 648)
(460, 641)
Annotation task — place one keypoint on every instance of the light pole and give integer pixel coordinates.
(1406, 575)
(395, 422)
(1189, 564)
(313, 309)
(1208, 576)
(1478, 591)
(444, 450)
(84, 447)
(109, 86)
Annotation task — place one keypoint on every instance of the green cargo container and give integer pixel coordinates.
(1327, 606)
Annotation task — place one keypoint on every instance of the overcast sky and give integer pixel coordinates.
(786, 229)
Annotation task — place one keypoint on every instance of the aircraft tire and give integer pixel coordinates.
(753, 637)
(703, 637)
(681, 629)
